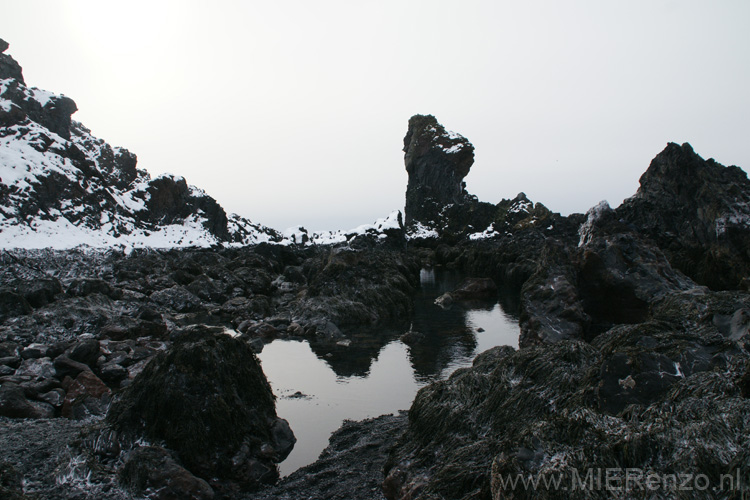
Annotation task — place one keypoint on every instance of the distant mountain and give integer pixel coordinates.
(61, 187)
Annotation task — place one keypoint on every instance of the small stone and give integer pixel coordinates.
(55, 397)
(34, 351)
(66, 367)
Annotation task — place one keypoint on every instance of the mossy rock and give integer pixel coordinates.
(209, 401)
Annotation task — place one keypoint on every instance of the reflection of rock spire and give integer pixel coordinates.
(437, 162)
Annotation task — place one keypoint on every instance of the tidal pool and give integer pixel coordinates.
(319, 386)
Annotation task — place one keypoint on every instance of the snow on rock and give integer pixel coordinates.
(486, 234)
(420, 231)
(593, 214)
(379, 229)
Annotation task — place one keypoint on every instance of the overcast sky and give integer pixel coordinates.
(294, 112)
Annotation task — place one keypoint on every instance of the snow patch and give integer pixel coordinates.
(420, 231)
(41, 96)
(486, 234)
(300, 236)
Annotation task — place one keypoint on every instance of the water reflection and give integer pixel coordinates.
(318, 385)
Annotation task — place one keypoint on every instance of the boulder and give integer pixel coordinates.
(36, 369)
(475, 289)
(207, 399)
(34, 351)
(178, 299)
(66, 367)
(81, 287)
(86, 396)
(14, 404)
(85, 351)
(40, 292)
(13, 304)
(11, 481)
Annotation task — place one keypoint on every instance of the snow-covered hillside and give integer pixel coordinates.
(61, 187)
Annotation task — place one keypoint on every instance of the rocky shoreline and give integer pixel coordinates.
(131, 372)
(623, 357)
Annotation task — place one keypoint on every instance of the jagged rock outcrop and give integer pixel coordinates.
(9, 68)
(439, 208)
(57, 179)
(698, 212)
(623, 358)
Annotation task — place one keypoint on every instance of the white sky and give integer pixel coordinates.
(294, 112)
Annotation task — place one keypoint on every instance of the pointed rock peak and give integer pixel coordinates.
(678, 171)
(3, 45)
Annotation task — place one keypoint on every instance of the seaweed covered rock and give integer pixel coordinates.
(208, 400)
(629, 400)
(11, 481)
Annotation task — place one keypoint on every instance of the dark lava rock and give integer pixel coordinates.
(153, 473)
(172, 201)
(177, 298)
(551, 306)
(45, 452)
(66, 367)
(630, 399)
(697, 211)
(469, 290)
(86, 286)
(357, 288)
(13, 304)
(85, 351)
(475, 289)
(14, 404)
(436, 161)
(208, 400)
(9, 68)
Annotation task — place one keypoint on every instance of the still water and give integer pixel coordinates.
(319, 386)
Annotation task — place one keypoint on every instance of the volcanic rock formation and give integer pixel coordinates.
(437, 162)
